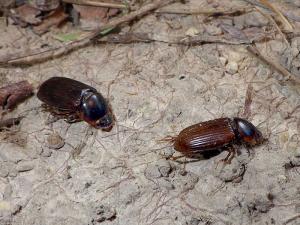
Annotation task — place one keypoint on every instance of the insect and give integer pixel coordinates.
(77, 101)
(219, 134)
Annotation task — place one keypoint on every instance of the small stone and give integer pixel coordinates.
(192, 32)
(55, 141)
(152, 171)
(164, 183)
(7, 192)
(25, 166)
(103, 213)
(6, 169)
(164, 167)
(213, 30)
(3, 171)
(282, 179)
(223, 61)
(232, 67)
(297, 152)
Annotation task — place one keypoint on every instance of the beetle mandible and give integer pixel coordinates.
(77, 101)
(219, 134)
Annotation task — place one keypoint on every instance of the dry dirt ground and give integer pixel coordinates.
(55, 173)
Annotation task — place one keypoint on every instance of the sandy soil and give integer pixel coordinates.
(52, 172)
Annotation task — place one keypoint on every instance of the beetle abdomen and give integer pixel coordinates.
(205, 136)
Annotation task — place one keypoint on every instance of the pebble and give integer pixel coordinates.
(297, 152)
(7, 169)
(223, 61)
(164, 183)
(55, 141)
(3, 170)
(164, 167)
(24, 166)
(152, 171)
(232, 67)
(213, 30)
(102, 213)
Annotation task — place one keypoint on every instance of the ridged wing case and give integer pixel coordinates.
(205, 136)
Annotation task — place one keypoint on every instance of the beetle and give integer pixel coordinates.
(77, 101)
(218, 134)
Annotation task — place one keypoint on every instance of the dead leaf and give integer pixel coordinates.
(27, 14)
(92, 17)
(55, 18)
(75, 36)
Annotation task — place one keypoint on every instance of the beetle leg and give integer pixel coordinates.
(174, 158)
(228, 158)
(73, 118)
(230, 155)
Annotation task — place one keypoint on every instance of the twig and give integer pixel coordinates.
(248, 102)
(291, 219)
(97, 3)
(275, 65)
(274, 23)
(281, 17)
(61, 50)
(193, 11)
(10, 122)
(180, 40)
(13, 94)
(253, 2)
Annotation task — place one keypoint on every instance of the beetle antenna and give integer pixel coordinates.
(168, 138)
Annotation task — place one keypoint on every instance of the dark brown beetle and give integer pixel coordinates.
(218, 134)
(76, 100)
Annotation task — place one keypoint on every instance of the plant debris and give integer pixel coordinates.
(13, 94)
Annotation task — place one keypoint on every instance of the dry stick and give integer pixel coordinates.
(275, 65)
(268, 9)
(248, 101)
(97, 3)
(127, 38)
(59, 51)
(274, 23)
(193, 11)
(281, 17)
(291, 219)
(180, 40)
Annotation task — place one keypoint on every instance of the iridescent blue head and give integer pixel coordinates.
(95, 111)
(247, 132)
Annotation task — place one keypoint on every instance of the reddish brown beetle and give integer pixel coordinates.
(77, 101)
(215, 134)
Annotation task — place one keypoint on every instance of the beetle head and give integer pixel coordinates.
(95, 110)
(247, 132)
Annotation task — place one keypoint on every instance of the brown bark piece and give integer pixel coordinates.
(28, 14)
(13, 94)
(55, 18)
